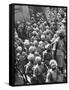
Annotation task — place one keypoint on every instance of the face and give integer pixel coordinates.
(53, 67)
(49, 36)
(17, 56)
(20, 27)
(58, 25)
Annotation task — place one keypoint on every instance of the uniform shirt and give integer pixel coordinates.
(54, 76)
(28, 69)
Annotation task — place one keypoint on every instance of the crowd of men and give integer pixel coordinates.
(40, 48)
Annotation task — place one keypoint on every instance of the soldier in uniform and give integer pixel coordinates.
(39, 71)
(53, 74)
(60, 51)
(28, 67)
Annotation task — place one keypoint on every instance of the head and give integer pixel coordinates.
(61, 33)
(21, 27)
(35, 43)
(26, 43)
(53, 64)
(32, 49)
(36, 53)
(49, 35)
(41, 44)
(34, 25)
(17, 23)
(19, 49)
(17, 56)
(31, 57)
(47, 27)
(24, 54)
(34, 33)
(38, 60)
(43, 37)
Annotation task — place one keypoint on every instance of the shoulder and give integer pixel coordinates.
(49, 71)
